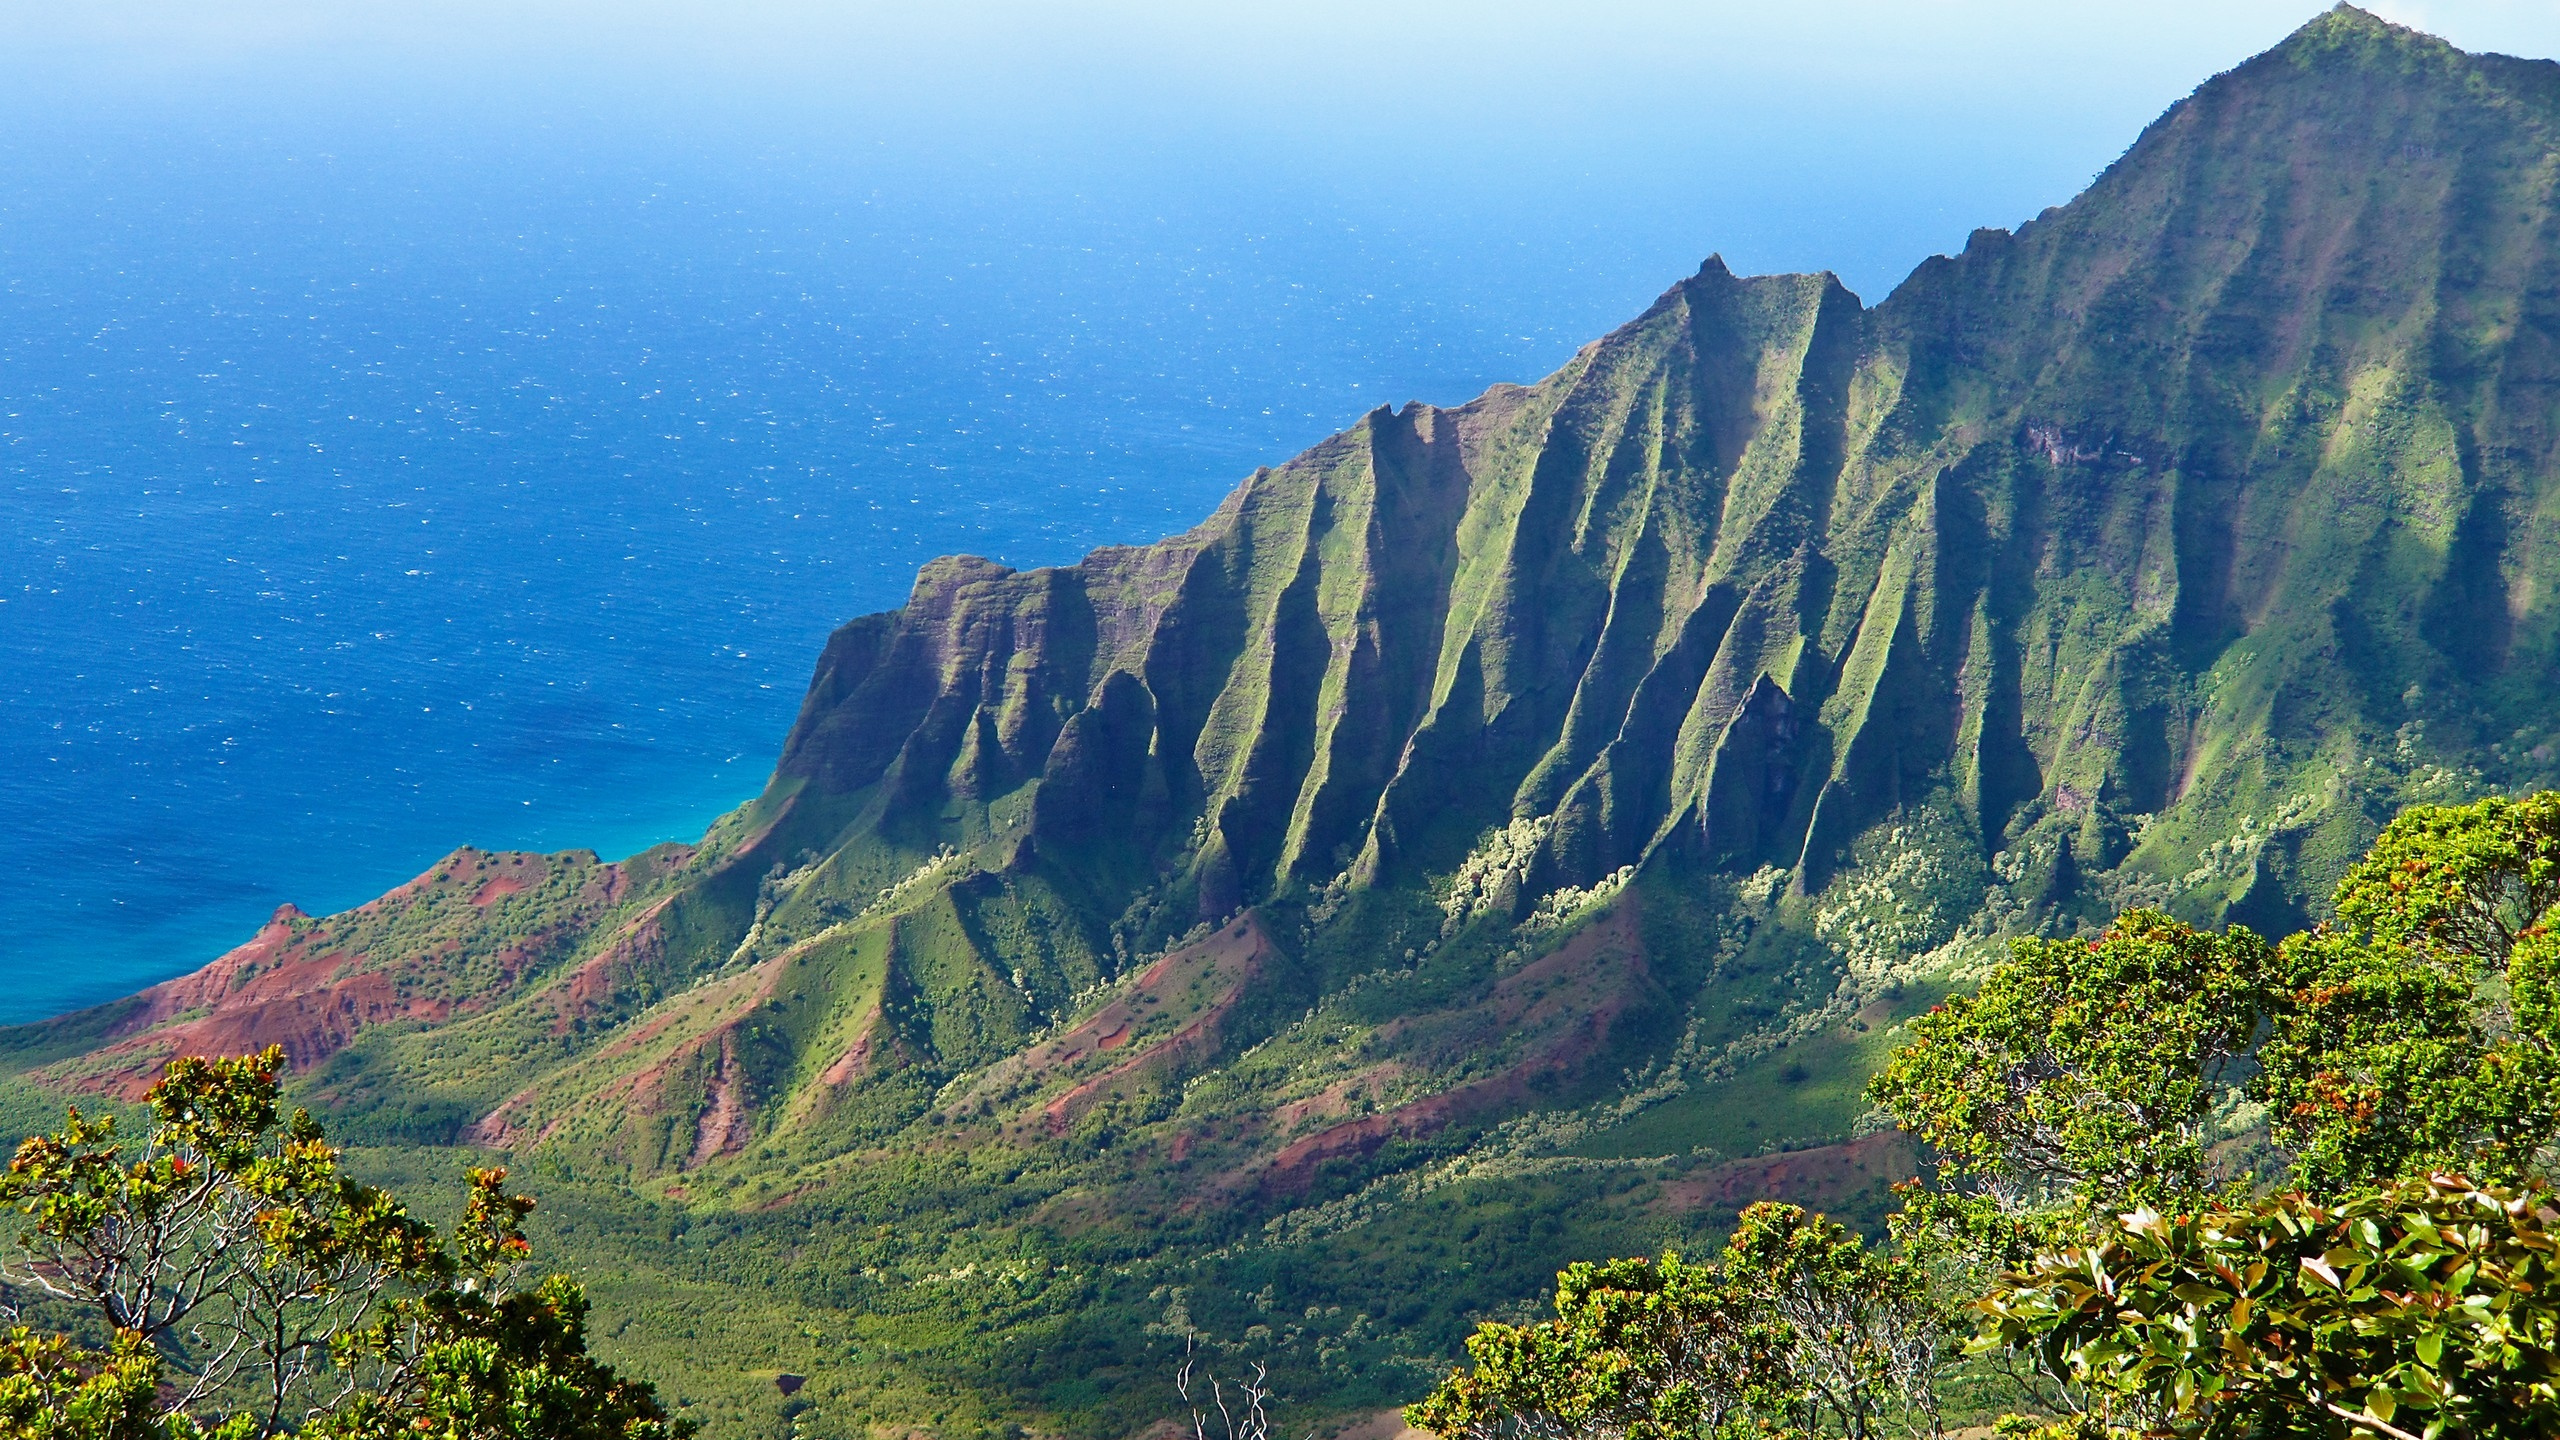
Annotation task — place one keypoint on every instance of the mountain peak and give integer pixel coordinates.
(2348, 32)
(1732, 688)
(2343, 17)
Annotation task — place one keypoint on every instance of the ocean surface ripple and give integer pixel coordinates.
(363, 507)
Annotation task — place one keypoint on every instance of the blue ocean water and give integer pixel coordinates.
(412, 436)
(362, 503)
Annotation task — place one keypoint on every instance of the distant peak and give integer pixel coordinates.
(1714, 268)
(2347, 24)
(2343, 14)
(2342, 50)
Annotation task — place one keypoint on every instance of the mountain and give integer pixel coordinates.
(1511, 832)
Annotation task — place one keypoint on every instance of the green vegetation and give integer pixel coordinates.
(2118, 1283)
(249, 1288)
(2085, 1070)
(1799, 1328)
(1512, 834)
(2421, 1309)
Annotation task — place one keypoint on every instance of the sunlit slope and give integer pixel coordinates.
(2229, 476)
(1581, 781)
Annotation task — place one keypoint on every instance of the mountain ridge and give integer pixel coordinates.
(1581, 781)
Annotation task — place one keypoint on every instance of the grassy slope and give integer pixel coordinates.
(1509, 834)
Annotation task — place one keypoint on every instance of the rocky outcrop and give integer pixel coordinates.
(2150, 553)
(2235, 467)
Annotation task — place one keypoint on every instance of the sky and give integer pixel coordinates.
(1852, 135)
(590, 361)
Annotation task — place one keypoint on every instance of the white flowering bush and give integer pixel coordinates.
(1502, 856)
(1909, 888)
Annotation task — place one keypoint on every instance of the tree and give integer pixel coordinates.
(235, 1263)
(1866, 1331)
(51, 1389)
(1798, 1329)
(2467, 880)
(2411, 1042)
(1639, 1349)
(2083, 1072)
(1246, 1415)
(2423, 1310)
(2421, 1030)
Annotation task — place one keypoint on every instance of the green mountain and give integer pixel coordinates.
(1509, 833)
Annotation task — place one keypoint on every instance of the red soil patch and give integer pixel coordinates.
(727, 1124)
(498, 1130)
(589, 990)
(1225, 964)
(1823, 1176)
(1335, 1099)
(499, 887)
(300, 984)
(285, 987)
(1579, 992)
(641, 1090)
(855, 1059)
(1229, 959)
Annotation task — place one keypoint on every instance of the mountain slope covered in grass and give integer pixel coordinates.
(1512, 832)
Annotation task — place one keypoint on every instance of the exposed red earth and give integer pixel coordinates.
(1824, 1175)
(1567, 1002)
(311, 985)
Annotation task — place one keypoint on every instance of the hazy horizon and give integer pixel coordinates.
(448, 424)
(1858, 137)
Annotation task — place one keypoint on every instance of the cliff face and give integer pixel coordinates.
(1568, 753)
(1552, 600)
(2225, 476)
(1581, 782)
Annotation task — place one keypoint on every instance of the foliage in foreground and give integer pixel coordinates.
(1797, 1328)
(2082, 1072)
(2422, 1307)
(250, 1288)
(2079, 1218)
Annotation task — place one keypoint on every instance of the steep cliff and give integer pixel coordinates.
(2183, 503)
(1593, 772)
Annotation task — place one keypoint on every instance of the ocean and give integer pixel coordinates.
(366, 501)
(418, 433)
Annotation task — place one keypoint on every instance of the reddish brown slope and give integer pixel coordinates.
(461, 936)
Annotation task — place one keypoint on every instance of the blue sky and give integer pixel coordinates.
(1847, 134)
(693, 329)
